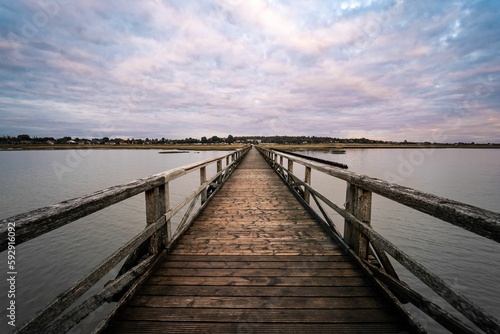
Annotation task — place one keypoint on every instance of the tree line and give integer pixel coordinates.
(230, 139)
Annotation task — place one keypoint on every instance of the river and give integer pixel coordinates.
(50, 264)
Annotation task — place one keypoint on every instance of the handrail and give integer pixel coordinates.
(157, 234)
(364, 243)
(477, 220)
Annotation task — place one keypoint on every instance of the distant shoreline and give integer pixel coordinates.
(326, 147)
(180, 147)
(301, 147)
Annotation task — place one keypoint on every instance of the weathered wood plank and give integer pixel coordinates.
(259, 302)
(330, 272)
(252, 325)
(258, 259)
(269, 315)
(262, 281)
(257, 265)
(245, 291)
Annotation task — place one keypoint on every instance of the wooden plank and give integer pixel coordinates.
(269, 316)
(261, 258)
(256, 265)
(251, 249)
(269, 291)
(282, 272)
(249, 325)
(261, 281)
(246, 235)
(259, 302)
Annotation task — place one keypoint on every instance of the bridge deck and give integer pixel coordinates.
(256, 261)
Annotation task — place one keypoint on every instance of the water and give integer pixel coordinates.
(50, 264)
(467, 262)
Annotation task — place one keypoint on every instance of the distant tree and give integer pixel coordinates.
(204, 140)
(23, 137)
(215, 139)
(230, 139)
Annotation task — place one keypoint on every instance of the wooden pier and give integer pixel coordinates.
(256, 261)
(256, 250)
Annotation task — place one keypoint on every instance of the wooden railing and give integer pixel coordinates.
(371, 250)
(142, 252)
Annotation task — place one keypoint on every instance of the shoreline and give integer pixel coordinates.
(326, 147)
(122, 147)
(297, 147)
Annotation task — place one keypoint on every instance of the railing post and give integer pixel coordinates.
(290, 170)
(307, 179)
(219, 166)
(219, 169)
(358, 203)
(168, 235)
(227, 161)
(203, 179)
(281, 160)
(156, 207)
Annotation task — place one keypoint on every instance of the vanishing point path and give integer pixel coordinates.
(255, 261)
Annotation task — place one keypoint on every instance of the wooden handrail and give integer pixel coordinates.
(38, 222)
(474, 219)
(359, 232)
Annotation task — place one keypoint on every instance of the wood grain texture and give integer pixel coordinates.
(256, 261)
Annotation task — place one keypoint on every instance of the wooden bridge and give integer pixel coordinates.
(256, 257)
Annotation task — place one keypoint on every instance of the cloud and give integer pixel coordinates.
(383, 69)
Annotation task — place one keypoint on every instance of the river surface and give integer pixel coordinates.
(50, 264)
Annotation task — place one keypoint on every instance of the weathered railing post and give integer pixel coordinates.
(168, 235)
(203, 179)
(156, 207)
(290, 171)
(307, 179)
(358, 203)
(281, 160)
(219, 169)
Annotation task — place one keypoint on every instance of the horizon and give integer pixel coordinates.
(245, 137)
(389, 70)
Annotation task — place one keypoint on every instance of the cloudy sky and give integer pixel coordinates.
(380, 69)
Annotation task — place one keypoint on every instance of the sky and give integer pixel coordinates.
(380, 69)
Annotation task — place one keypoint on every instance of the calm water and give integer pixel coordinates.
(50, 264)
(465, 261)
